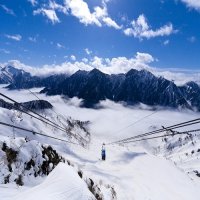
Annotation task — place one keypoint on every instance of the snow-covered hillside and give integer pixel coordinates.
(184, 151)
(141, 171)
(62, 183)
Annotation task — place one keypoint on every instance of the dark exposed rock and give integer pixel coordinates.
(191, 91)
(4, 104)
(33, 105)
(37, 105)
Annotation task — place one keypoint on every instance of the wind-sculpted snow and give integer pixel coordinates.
(63, 183)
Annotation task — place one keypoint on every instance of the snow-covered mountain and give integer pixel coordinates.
(19, 79)
(131, 88)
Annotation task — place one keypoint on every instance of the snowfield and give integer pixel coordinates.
(139, 171)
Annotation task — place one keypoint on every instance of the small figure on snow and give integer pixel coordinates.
(103, 152)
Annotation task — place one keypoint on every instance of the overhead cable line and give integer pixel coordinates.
(180, 125)
(35, 132)
(161, 136)
(47, 121)
(42, 119)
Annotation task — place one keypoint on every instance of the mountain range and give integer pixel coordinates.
(130, 88)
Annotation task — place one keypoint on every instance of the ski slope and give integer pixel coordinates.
(132, 170)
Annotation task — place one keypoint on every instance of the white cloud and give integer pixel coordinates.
(140, 29)
(102, 15)
(111, 23)
(85, 60)
(32, 39)
(33, 2)
(180, 77)
(16, 37)
(166, 42)
(73, 57)
(124, 18)
(80, 10)
(60, 46)
(144, 57)
(87, 51)
(5, 51)
(7, 10)
(49, 13)
(97, 62)
(105, 1)
(123, 64)
(54, 6)
(192, 39)
(192, 4)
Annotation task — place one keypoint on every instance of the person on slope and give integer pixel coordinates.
(103, 152)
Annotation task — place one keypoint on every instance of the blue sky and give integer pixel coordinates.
(39, 32)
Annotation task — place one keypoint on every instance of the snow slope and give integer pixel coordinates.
(136, 174)
(62, 183)
(132, 171)
(184, 151)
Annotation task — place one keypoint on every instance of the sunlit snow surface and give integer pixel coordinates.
(133, 170)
